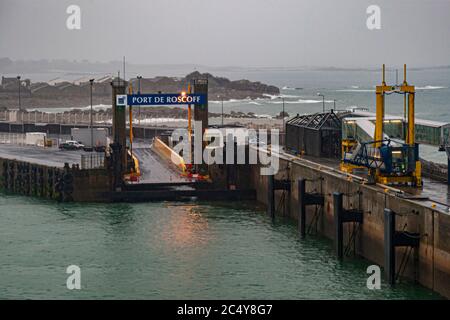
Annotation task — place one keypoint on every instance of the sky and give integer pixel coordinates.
(252, 33)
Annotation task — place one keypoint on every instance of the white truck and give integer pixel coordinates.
(35, 138)
(98, 142)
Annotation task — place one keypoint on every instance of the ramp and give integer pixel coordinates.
(155, 169)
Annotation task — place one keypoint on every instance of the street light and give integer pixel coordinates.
(91, 81)
(323, 101)
(20, 104)
(222, 110)
(139, 92)
(282, 115)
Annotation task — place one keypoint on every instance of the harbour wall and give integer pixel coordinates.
(429, 264)
(63, 184)
(144, 132)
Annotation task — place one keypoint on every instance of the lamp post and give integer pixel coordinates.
(282, 134)
(334, 104)
(20, 104)
(282, 114)
(91, 81)
(139, 92)
(222, 110)
(323, 101)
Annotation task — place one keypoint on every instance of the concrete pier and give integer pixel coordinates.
(299, 188)
(422, 216)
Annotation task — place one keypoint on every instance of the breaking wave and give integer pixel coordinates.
(97, 107)
(264, 116)
(430, 88)
(279, 96)
(300, 101)
(355, 90)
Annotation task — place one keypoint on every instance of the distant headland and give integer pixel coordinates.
(64, 93)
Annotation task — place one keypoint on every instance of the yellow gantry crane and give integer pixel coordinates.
(133, 172)
(388, 162)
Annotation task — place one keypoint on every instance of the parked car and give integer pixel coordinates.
(71, 145)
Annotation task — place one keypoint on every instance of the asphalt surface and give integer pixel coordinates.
(154, 169)
(52, 157)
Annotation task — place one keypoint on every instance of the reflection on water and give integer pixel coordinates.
(172, 250)
(186, 227)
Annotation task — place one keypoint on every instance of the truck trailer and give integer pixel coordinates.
(99, 139)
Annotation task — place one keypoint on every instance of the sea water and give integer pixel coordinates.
(192, 250)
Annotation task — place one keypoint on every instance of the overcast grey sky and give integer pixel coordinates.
(230, 32)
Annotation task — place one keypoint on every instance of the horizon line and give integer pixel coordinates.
(311, 67)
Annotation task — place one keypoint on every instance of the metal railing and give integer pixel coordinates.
(12, 138)
(93, 161)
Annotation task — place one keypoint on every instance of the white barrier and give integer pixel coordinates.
(12, 138)
(166, 152)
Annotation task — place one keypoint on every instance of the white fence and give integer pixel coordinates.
(12, 138)
(35, 116)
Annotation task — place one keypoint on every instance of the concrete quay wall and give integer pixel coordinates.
(63, 184)
(429, 264)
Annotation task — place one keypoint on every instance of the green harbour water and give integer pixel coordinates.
(168, 250)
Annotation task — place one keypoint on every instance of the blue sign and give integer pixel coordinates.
(121, 100)
(165, 99)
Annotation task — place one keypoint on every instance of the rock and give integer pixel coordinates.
(77, 95)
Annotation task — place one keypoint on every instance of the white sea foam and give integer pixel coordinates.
(288, 88)
(230, 101)
(162, 120)
(430, 88)
(309, 101)
(265, 116)
(62, 109)
(272, 96)
(280, 96)
(299, 101)
(293, 96)
(355, 90)
(96, 107)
